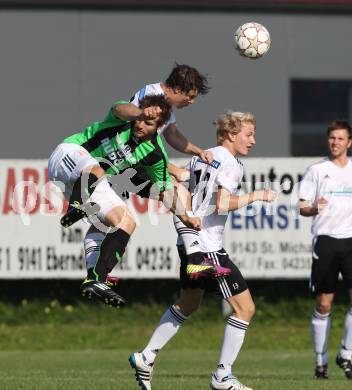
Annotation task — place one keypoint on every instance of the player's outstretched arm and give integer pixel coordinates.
(129, 112)
(226, 202)
(179, 142)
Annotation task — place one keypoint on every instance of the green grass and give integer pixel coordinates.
(48, 325)
(195, 335)
(175, 369)
(46, 345)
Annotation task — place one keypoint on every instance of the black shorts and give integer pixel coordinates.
(226, 286)
(331, 256)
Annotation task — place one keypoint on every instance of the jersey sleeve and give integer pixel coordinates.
(138, 96)
(230, 177)
(308, 185)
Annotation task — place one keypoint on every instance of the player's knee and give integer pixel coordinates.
(251, 310)
(187, 308)
(97, 171)
(131, 223)
(247, 312)
(119, 217)
(244, 312)
(323, 307)
(188, 305)
(127, 223)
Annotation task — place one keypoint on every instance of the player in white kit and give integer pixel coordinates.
(214, 193)
(181, 88)
(326, 195)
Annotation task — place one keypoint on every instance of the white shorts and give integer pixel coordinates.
(65, 166)
(196, 241)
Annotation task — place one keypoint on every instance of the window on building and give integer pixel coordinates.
(314, 104)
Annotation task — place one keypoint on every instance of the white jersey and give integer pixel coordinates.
(225, 171)
(152, 89)
(326, 180)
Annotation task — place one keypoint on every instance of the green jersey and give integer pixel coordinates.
(112, 143)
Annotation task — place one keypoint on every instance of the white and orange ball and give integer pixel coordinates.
(252, 40)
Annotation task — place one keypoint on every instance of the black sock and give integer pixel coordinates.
(84, 184)
(111, 251)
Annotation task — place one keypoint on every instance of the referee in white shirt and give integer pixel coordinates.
(326, 195)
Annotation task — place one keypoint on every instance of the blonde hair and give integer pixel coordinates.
(231, 122)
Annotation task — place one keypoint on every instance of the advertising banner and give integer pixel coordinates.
(33, 244)
(266, 242)
(271, 241)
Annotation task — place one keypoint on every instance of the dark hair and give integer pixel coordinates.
(340, 125)
(186, 79)
(160, 101)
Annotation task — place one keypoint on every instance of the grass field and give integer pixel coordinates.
(47, 344)
(179, 369)
(81, 355)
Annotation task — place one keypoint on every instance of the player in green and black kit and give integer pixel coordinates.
(126, 139)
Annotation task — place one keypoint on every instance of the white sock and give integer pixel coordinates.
(346, 346)
(168, 326)
(235, 331)
(92, 242)
(321, 324)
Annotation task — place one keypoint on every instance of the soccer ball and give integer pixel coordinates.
(252, 40)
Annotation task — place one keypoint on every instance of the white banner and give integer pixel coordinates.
(34, 245)
(272, 241)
